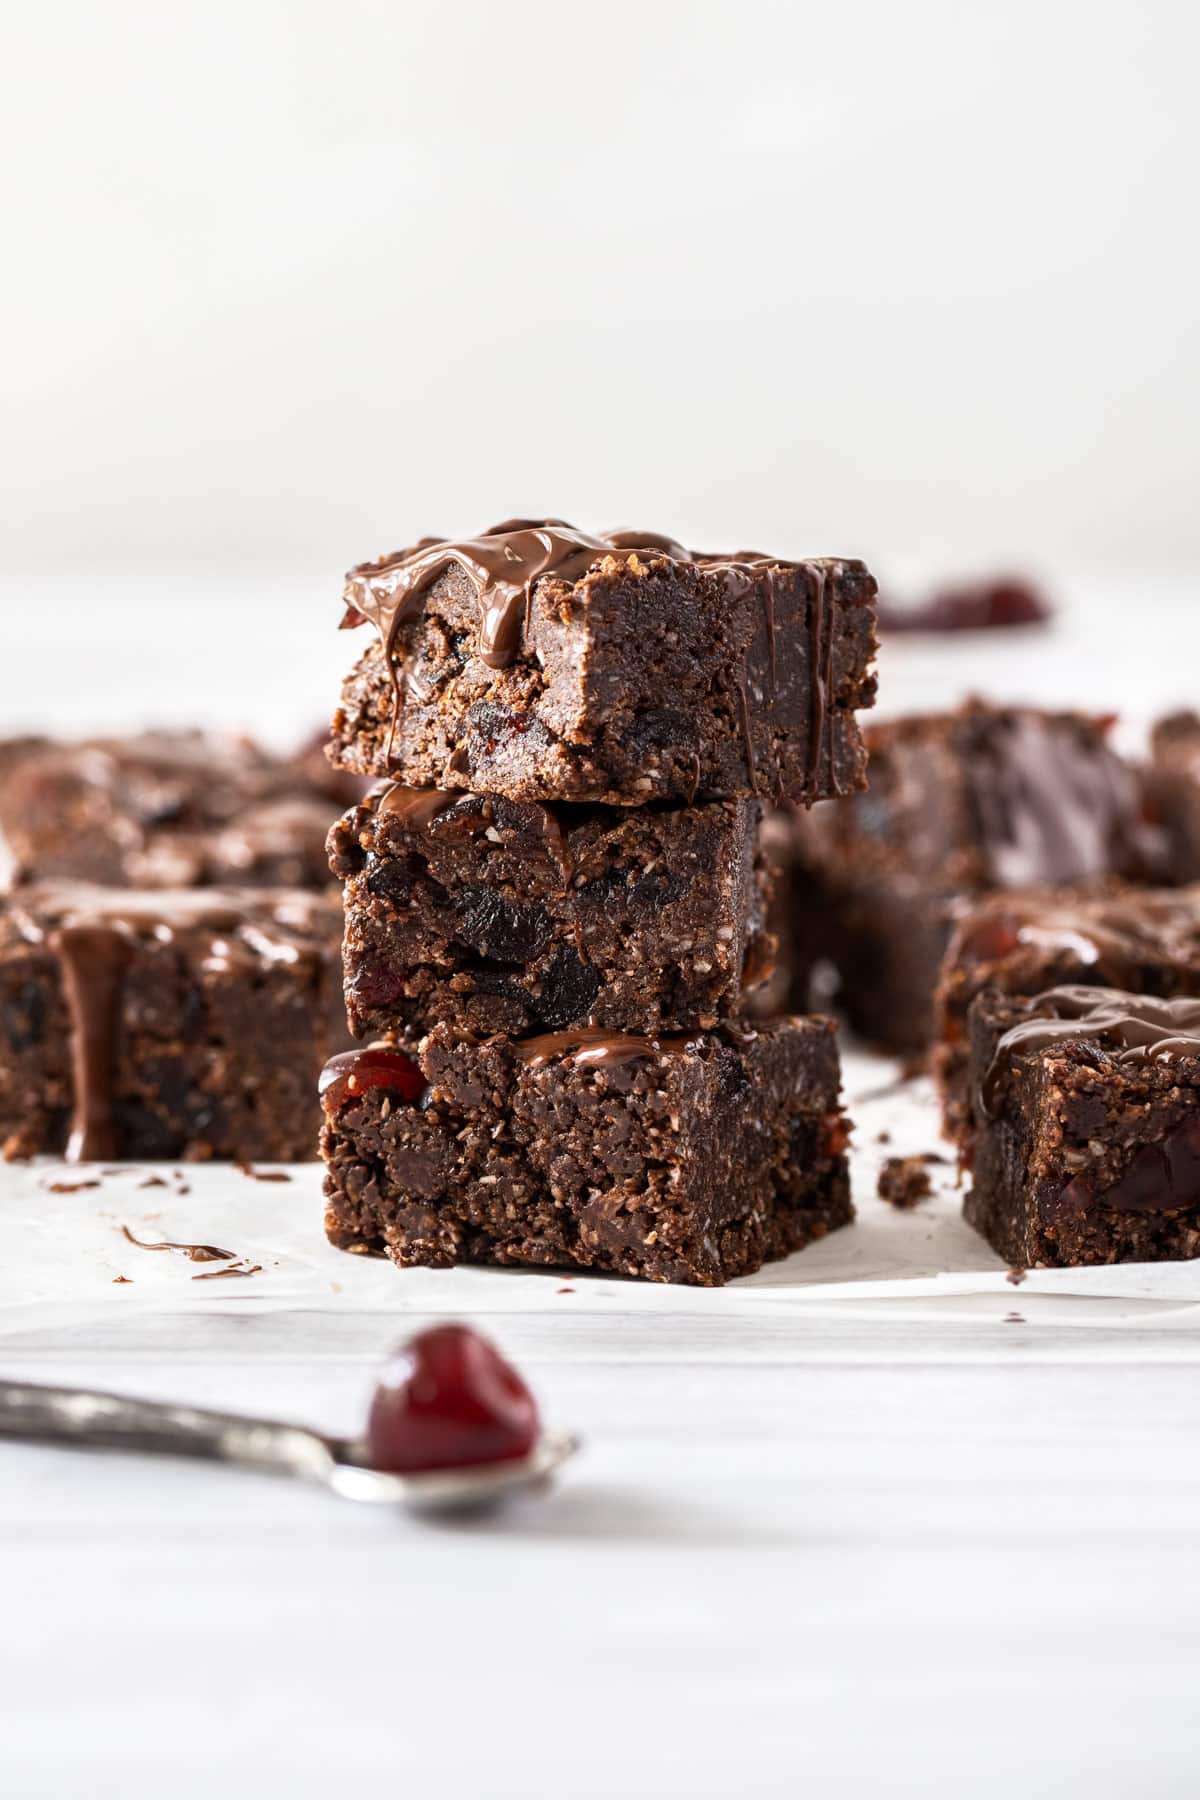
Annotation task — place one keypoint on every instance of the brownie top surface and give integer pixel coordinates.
(269, 924)
(1115, 934)
(505, 562)
(1130, 1028)
(166, 780)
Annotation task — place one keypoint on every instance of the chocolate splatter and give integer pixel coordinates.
(193, 1252)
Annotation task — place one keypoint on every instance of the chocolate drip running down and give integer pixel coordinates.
(92, 930)
(503, 565)
(1132, 1027)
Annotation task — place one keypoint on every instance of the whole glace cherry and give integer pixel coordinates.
(449, 1400)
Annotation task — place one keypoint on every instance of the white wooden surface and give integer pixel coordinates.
(877, 1522)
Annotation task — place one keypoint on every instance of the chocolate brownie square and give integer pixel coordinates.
(506, 915)
(959, 804)
(165, 1024)
(1086, 1108)
(1146, 940)
(542, 663)
(689, 1158)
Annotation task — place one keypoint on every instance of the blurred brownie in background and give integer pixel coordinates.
(959, 804)
(166, 1023)
(167, 809)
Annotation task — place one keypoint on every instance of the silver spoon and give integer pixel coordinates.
(98, 1421)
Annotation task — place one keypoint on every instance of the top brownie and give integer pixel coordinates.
(166, 809)
(540, 663)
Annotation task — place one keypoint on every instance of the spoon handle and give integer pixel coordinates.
(91, 1420)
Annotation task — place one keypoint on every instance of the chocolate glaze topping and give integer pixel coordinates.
(593, 1046)
(1132, 1027)
(92, 929)
(504, 563)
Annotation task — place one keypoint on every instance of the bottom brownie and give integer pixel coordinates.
(181, 1023)
(1086, 1109)
(686, 1159)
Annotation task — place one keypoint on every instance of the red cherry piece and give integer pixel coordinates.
(378, 984)
(449, 1400)
(345, 1077)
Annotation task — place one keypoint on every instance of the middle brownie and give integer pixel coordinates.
(494, 915)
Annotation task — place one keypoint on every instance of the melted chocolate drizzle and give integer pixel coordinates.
(193, 1252)
(593, 1046)
(1132, 1027)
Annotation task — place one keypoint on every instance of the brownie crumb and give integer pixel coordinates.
(122, 1281)
(254, 1174)
(883, 1137)
(904, 1181)
(69, 1187)
(152, 1181)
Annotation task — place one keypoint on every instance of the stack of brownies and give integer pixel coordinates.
(554, 903)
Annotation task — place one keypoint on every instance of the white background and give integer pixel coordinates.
(289, 281)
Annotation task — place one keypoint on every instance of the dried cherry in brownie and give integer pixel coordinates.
(540, 662)
(685, 1158)
(499, 915)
